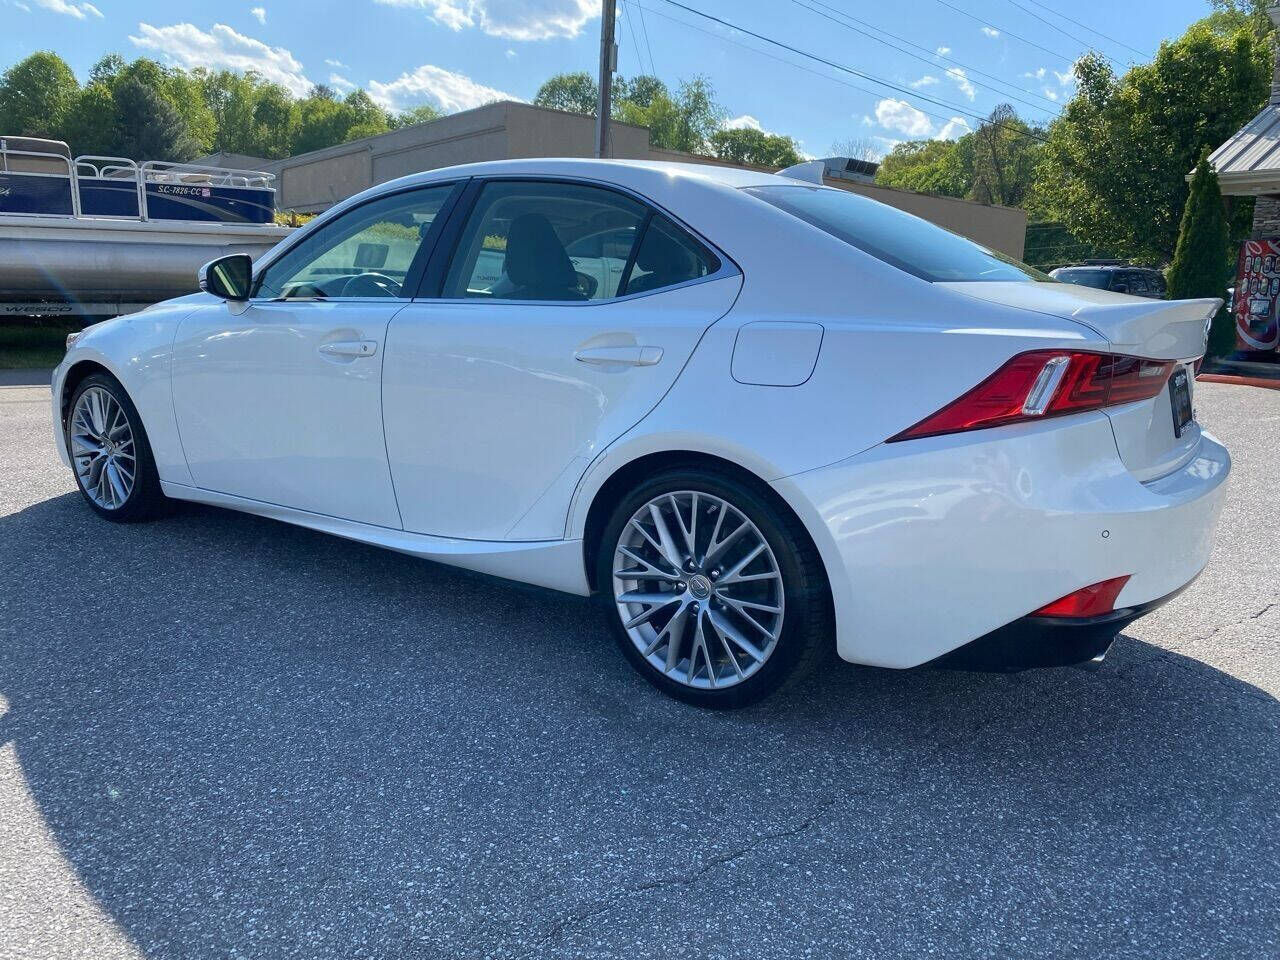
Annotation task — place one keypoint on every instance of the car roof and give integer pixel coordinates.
(608, 170)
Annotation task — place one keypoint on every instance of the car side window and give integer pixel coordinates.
(668, 256)
(365, 252)
(533, 240)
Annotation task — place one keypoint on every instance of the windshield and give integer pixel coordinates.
(897, 238)
(1085, 278)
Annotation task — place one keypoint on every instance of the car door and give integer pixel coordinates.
(499, 392)
(279, 400)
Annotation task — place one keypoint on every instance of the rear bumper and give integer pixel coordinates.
(1032, 642)
(933, 543)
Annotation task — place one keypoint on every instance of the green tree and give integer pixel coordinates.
(1200, 266)
(1004, 154)
(106, 69)
(274, 118)
(575, 92)
(927, 166)
(1114, 168)
(148, 127)
(35, 95)
(683, 122)
(420, 114)
(91, 123)
(747, 145)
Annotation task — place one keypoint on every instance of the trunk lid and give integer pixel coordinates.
(1149, 443)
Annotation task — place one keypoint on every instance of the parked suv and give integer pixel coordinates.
(1119, 277)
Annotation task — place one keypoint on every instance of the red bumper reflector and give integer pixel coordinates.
(1090, 601)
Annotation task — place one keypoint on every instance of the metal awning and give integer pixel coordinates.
(1249, 163)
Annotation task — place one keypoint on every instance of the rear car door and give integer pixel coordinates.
(280, 400)
(520, 362)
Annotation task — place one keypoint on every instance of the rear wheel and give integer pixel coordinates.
(109, 451)
(716, 595)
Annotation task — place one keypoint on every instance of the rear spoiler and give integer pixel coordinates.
(1158, 329)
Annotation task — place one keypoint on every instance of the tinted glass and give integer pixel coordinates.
(1085, 278)
(365, 252)
(668, 256)
(897, 238)
(527, 240)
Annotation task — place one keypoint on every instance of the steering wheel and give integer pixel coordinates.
(370, 285)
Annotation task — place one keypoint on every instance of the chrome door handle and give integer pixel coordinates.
(350, 348)
(631, 356)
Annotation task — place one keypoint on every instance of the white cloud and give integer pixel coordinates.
(223, 48)
(925, 81)
(888, 142)
(341, 83)
(1051, 93)
(953, 128)
(867, 121)
(744, 122)
(511, 54)
(1067, 79)
(259, 14)
(991, 32)
(1037, 75)
(961, 80)
(20, 5)
(437, 86)
(81, 11)
(512, 19)
(903, 117)
(943, 51)
(336, 63)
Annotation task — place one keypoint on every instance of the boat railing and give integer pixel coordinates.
(93, 167)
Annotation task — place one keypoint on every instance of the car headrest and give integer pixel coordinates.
(535, 255)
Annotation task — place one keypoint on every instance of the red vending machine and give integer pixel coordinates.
(1257, 293)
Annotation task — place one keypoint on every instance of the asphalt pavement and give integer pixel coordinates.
(221, 736)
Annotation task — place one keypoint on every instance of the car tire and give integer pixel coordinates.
(105, 437)
(725, 655)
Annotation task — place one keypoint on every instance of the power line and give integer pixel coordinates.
(931, 59)
(992, 26)
(790, 63)
(1083, 26)
(644, 29)
(632, 30)
(857, 73)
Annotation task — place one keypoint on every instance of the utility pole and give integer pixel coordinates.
(608, 64)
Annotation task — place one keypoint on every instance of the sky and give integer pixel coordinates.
(921, 68)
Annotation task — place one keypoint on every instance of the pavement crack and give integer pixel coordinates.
(600, 907)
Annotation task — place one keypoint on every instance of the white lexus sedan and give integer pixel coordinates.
(756, 415)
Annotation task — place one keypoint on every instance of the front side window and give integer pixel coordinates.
(899, 239)
(528, 240)
(365, 252)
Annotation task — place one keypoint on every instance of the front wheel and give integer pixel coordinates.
(715, 592)
(109, 451)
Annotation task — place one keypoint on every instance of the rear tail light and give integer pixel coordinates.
(1046, 383)
(1091, 601)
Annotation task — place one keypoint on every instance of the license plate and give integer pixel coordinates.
(1180, 400)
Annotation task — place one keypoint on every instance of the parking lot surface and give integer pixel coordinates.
(221, 736)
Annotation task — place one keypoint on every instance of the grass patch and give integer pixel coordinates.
(33, 344)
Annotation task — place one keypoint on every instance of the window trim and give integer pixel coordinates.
(432, 283)
(413, 276)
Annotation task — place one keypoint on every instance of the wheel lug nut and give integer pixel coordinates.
(680, 585)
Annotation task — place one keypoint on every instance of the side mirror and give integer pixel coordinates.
(228, 277)
(1120, 288)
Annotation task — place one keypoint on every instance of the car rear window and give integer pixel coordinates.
(900, 239)
(1086, 278)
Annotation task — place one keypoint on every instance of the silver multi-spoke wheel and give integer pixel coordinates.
(103, 448)
(698, 589)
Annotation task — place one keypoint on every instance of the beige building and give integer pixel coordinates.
(311, 182)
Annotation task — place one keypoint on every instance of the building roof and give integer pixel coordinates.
(1249, 162)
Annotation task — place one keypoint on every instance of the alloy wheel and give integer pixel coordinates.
(103, 448)
(698, 589)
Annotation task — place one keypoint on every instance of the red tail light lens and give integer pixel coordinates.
(1091, 601)
(1046, 383)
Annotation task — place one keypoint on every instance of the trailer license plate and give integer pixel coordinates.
(1180, 400)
